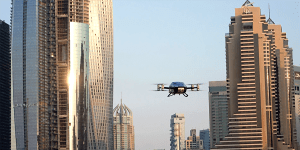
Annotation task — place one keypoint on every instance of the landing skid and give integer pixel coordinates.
(184, 94)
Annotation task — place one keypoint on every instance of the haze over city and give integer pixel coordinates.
(175, 40)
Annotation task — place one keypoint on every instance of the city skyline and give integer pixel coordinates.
(126, 19)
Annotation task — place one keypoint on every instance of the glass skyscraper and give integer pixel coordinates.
(204, 135)
(62, 69)
(5, 82)
(218, 112)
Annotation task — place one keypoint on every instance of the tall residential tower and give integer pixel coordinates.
(62, 69)
(177, 139)
(260, 84)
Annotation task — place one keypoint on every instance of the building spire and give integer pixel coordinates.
(270, 21)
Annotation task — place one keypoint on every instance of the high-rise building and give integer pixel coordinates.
(123, 128)
(204, 136)
(101, 58)
(5, 102)
(193, 142)
(260, 84)
(62, 70)
(177, 139)
(218, 111)
(297, 100)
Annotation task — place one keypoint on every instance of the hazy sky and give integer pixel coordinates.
(160, 41)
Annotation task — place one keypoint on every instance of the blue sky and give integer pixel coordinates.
(160, 41)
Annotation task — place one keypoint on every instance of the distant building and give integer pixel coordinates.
(5, 101)
(177, 138)
(204, 136)
(193, 142)
(218, 111)
(123, 128)
(297, 100)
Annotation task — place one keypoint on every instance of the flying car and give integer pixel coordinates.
(178, 88)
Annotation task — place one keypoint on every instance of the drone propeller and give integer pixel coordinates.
(195, 86)
(160, 86)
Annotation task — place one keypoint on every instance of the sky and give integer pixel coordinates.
(161, 41)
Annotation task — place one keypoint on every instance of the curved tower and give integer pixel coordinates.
(101, 69)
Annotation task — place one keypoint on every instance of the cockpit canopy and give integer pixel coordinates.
(177, 84)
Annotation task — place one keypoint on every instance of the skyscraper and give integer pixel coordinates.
(123, 128)
(177, 139)
(5, 102)
(218, 112)
(101, 58)
(63, 74)
(260, 84)
(34, 75)
(193, 142)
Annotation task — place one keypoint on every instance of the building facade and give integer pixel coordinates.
(297, 100)
(57, 102)
(5, 102)
(101, 61)
(260, 84)
(123, 128)
(177, 139)
(204, 136)
(193, 142)
(218, 111)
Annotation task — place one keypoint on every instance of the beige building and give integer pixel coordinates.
(123, 128)
(260, 84)
(193, 142)
(177, 139)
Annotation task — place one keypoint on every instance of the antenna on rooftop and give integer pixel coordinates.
(269, 10)
(121, 98)
(270, 21)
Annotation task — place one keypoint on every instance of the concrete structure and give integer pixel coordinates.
(193, 142)
(5, 82)
(218, 111)
(297, 100)
(177, 139)
(260, 84)
(204, 136)
(62, 74)
(123, 128)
